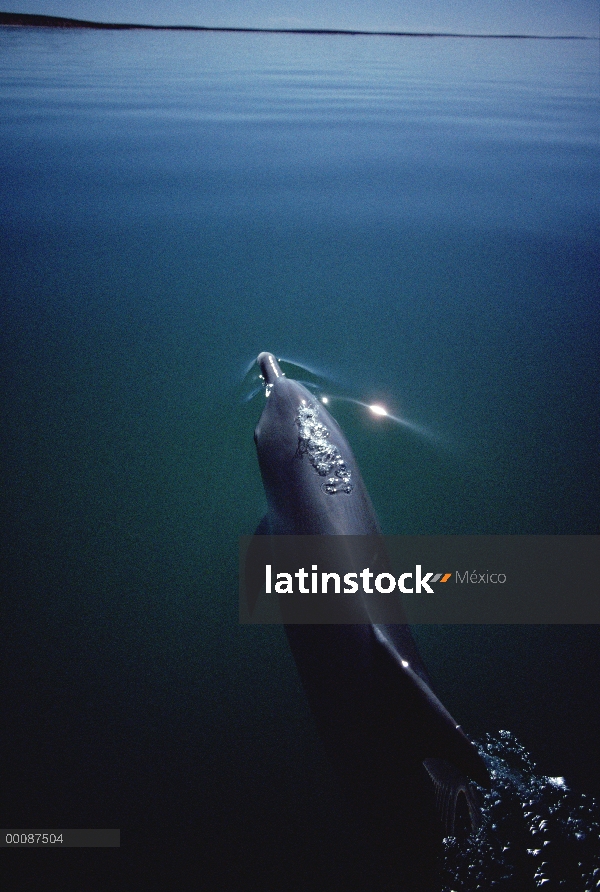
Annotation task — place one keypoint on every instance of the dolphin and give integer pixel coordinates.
(398, 751)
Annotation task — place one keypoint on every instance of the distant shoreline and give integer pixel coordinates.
(49, 21)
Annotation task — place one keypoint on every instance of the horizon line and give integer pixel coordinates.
(24, 19)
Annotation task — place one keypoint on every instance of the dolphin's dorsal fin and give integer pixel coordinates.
(456, 801)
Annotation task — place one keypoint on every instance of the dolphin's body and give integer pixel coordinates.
(368, 689)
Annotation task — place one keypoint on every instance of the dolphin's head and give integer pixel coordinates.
(277, 436)
(310, 476)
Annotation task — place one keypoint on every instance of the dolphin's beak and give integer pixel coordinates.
(269, 368)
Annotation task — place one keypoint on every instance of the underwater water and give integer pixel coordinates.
(416, 220)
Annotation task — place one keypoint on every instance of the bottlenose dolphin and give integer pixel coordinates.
(393, 743)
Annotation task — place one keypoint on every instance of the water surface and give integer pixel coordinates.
(419, 220)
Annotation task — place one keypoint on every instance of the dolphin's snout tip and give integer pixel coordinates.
(269, 367)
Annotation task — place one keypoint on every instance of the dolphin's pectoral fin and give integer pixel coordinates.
(264, 527)
(441, 737)
(253, 575)
(456, 800)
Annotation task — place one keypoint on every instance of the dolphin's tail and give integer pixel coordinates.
(456, 800)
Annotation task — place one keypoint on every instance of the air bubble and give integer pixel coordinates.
(324, 456)
(528, 818)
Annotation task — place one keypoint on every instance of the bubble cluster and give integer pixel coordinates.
(324, 456)
(537, 833)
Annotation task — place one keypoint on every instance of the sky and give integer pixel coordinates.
(546, 17)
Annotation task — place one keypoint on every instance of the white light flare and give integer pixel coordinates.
(380, 411)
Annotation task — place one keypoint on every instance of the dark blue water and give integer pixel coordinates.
(416, 219)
